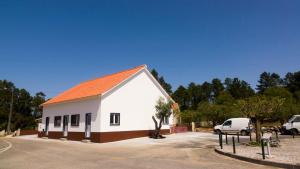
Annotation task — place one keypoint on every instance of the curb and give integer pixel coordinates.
(256, 161)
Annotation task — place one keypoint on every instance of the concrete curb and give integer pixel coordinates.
(256, 161)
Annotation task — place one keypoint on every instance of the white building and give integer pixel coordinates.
(110, 108)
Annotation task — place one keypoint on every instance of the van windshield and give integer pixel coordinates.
(291, 119)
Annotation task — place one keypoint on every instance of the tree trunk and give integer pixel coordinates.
(156, 133)
(258, 130)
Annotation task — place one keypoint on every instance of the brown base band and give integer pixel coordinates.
(101, 137)
(28, 132)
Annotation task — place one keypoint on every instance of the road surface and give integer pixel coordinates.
(187, 150)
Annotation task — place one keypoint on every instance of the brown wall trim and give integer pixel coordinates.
(28, 132)
(123, 135)
(76, 136)
(55, 134)
(101, 137)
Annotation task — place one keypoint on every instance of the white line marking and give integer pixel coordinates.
(6, 148)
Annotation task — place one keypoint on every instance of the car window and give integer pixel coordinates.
(297, 119)
(227, 123)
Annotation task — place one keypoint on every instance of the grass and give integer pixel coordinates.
(255, 144)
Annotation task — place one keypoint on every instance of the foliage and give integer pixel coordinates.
(289, 107)
(163, 109)
(24, 106)
(220, 110)
(260, 108)
(239, 89)
(211, 101)
(162, 82)
(188, 116)
(292, 81)
(181, 96)
(217, 87)
(268, 80)
(37, 100)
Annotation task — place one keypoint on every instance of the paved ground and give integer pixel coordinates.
(180, 151)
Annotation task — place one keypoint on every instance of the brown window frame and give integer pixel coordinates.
(57, 121)
(77, 120)
(112, 119)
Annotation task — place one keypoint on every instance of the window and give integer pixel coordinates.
(166, 120)
(297, 119)
(75, 120)
(227, 123)
(57, 121)
(114, 119)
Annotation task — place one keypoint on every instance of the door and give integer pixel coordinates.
(88, 119)
(65, 125)
(227, 126)
(47, 126)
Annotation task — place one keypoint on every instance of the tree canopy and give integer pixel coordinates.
(217, 100)
(26, 108)
(268, 80)
(162, 81)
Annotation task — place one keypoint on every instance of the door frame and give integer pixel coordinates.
(65, 126)
(88, 126)
(47, 121)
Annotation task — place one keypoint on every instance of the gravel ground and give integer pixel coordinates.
(287, 152)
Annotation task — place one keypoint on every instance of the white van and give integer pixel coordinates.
(233, 126)
(292, 126)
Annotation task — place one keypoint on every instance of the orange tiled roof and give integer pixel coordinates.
(94, 87)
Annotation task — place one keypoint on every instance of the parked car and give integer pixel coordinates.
(234, 125)
(292, 126)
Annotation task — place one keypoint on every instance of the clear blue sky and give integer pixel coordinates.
(52, 45)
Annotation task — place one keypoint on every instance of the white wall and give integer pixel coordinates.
(135, 101)
(79, 107)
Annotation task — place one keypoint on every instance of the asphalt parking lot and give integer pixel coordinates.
(177, 151)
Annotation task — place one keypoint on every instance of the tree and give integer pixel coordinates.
(5, 100)
(219, 110)
(268, 80)
(217, 87)
(195, 95)
(163, 111)
(165, 85)
(155, 74)
(189, 116)
(239, 89)
(181, 96)
(259, 108)
(292, 82)
(210, 112)
(24, 106)
(289, 107)
(36, 102)
(162, 81)
(206, 90)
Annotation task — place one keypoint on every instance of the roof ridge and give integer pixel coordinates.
(143, 65)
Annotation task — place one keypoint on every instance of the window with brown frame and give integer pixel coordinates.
(57, 121)
(75, 119)
(114, 119)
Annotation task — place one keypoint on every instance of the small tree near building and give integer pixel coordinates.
(163, 111)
